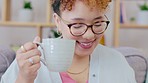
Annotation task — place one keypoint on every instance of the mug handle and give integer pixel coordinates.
(42, 53)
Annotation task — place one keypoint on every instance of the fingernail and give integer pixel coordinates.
(36, 39)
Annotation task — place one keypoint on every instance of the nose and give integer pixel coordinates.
(89, 34)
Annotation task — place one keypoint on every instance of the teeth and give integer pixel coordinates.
(86, 44)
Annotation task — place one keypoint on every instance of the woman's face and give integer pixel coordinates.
(80, 13)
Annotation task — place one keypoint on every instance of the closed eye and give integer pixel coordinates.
(77, 26)
(97, 25)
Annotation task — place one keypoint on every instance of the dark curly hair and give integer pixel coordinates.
(61, 5)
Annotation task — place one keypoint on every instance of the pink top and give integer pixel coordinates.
(66, 78)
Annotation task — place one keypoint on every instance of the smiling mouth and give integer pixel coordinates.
(86, 45)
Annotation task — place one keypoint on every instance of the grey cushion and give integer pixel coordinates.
(7, 55)
(137, 60)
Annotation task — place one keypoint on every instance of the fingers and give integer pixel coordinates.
(36, 59)
(32, 61)
(24, 58)
(36, 39)
(28, 59)
(27, 51)
(30, 54)
(23, 49)
(19, 50)
(28, 46)
(35, 67)
(32, 68)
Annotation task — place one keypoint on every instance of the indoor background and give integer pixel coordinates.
(16, 35)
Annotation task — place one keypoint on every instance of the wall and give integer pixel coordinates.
(20, 35)
(134, 37)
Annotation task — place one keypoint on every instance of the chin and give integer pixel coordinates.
(82, 54)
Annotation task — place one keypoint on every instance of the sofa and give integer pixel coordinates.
(7, 55)
(136, 59)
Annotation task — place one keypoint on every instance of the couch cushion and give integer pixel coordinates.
(137, 60)
(7, 55)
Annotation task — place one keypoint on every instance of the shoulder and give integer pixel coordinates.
(110, 56)
(104, 51)
(111, 61)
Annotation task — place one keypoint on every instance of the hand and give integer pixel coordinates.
(28, 60)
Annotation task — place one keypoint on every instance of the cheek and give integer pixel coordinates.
(99, 37)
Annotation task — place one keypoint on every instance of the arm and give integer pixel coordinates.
(22, 70)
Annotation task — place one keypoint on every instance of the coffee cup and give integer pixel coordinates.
(57, 54)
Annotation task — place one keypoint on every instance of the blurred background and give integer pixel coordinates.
(15, 29)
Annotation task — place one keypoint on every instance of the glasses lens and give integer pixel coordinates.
(99, 27)
(78, 29)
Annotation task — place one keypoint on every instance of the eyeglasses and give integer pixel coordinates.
(79, 29)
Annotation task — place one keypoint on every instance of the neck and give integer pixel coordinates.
(80, 59)
(79, 63)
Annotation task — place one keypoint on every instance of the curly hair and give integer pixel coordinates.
(61, 5)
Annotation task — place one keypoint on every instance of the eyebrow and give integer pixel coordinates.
(77, 19)
(100, 17)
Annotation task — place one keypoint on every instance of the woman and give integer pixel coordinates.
(85, 22)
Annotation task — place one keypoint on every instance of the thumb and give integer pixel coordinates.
(36, 39)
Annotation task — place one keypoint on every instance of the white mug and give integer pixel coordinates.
(57, 53)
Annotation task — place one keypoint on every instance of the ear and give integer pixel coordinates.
(57, 21)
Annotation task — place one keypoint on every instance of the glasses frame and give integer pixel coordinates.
(88, 26)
